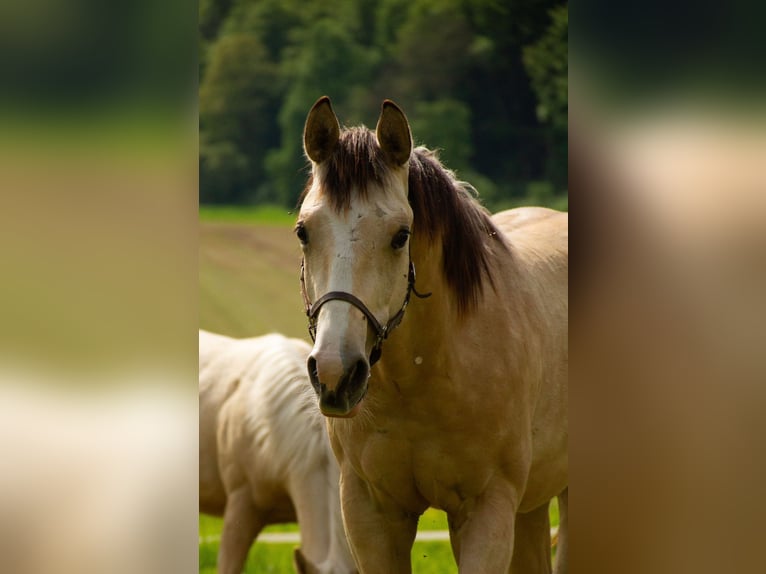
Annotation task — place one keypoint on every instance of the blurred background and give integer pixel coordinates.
(667, 174)
(102, 247)
(98, 287)
(98, 148)
(483, 81)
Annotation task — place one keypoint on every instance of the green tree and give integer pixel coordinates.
(482, 81)
(429, 51)
(511, 147)
(326, 62)
(223, 169)
(212, 14)
(546, 63)
(445, 124)
(234, 115)
(272, 22)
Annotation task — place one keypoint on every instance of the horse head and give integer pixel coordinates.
(354, 227)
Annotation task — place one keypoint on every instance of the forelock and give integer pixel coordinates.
(356, 164)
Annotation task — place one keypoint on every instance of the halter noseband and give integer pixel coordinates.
(381, 331)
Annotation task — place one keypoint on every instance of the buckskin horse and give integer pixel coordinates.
(465, 406)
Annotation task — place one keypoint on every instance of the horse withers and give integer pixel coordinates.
(264, 455)
(440, 350)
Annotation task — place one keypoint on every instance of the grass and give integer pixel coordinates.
(254, 215)
(249, 262)
(428, 557)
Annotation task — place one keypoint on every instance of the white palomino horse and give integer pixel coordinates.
(466, 409)
(264, 455)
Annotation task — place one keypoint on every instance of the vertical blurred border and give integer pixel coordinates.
(98, 297)
(667, 180)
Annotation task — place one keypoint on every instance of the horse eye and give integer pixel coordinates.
(303, 236)
(400, 238)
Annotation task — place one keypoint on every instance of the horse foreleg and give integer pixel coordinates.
(380, 533)
(310, 498)
(562, 548)
(482, 532)
(532, 542)
(241, 524)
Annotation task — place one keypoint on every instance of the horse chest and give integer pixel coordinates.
(431, 469)
(446, 477)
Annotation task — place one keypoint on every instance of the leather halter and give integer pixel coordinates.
(381, 331)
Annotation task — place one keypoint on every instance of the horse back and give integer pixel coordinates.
(548, 227)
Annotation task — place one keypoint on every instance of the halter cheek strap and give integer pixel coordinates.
(381, 331)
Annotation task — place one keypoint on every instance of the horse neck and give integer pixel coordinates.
(425, 329)
(428, 339)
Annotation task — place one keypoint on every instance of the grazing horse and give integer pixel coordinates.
(465, 408)
(264, 455)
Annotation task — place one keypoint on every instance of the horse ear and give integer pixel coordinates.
(322, 130)
(393, 133)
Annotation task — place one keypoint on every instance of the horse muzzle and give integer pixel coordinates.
(344, 397)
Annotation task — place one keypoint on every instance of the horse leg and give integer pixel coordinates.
(532, 542)
(482, 532)
(562, 549)
(241, 524)
(380, 532)
(317, 503)
(309, 496)
(454, 539)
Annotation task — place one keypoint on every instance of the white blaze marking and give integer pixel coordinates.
(342, 265)
(335, 316)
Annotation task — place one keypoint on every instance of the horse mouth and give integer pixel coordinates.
(341, 405)
(344, 400)
(337, 414)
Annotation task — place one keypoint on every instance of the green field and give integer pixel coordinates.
(427, 557)
(248, 275)
(249, 264)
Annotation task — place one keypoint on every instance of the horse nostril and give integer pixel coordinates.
(313, 373)
(358, 374)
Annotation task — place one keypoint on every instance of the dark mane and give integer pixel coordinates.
(443, 208)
